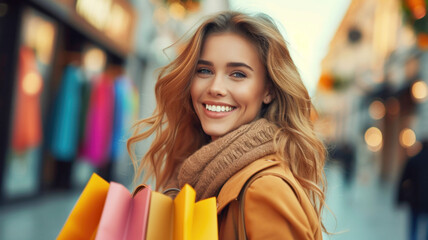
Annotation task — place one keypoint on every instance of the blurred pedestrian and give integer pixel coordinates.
(413, 190)
(345, 153)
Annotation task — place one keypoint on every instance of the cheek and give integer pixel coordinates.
(252, 96)
(195, 91)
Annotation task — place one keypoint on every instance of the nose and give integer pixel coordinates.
(217, 86)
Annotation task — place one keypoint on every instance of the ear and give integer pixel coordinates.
(268, 96)
(267, 99)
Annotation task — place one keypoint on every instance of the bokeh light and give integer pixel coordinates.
(44, 41)
(94, 60)
(377, 110)
(407, 137)
(417, 8)
(32, 83)
(177, 10)
(373, 138)
(419, 91)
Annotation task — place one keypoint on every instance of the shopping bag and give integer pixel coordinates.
(204, 224)
(124, 215)
(85, 216)
(182, 218)
(160, 222)
(110, 211)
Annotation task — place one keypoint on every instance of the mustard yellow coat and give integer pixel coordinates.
(276, 206)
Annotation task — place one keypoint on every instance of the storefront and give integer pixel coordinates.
(63, 92)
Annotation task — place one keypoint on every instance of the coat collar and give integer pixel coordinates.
(231, 189)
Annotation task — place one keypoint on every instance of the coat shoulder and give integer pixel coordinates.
(279, 200)
(231, 189)
(270, 165)
(269, 186)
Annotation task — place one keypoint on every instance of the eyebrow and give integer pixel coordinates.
(231, 64)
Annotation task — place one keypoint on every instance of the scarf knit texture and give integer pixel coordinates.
(212, 165)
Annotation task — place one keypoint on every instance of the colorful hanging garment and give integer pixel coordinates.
(125, 113)
(27, 128)
(66, 120)
(85, 100)
(99, 122)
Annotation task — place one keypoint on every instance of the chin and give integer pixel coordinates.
(215, 134)
(217, 131)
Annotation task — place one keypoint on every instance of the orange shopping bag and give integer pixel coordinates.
(85, 216)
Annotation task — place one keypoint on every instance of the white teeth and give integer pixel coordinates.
(215, 108)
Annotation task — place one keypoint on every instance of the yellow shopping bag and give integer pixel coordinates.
(83, 219)
(182, 218)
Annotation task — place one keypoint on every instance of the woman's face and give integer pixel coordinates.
(229, 85)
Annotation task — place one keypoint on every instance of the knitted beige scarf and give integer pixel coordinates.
(213, 164)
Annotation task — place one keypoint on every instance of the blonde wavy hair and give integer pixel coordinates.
(178, 132)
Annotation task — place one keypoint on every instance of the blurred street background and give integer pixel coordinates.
(76, 74)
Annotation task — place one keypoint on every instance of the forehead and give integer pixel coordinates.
(229, 47)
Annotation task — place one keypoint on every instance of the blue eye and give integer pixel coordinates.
(203, 71)
(239, 75)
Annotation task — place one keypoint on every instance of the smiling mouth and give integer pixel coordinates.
(218, 108)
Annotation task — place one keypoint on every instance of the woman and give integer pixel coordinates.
(233, 120)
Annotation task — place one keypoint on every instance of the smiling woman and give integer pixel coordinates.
(233, 120)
